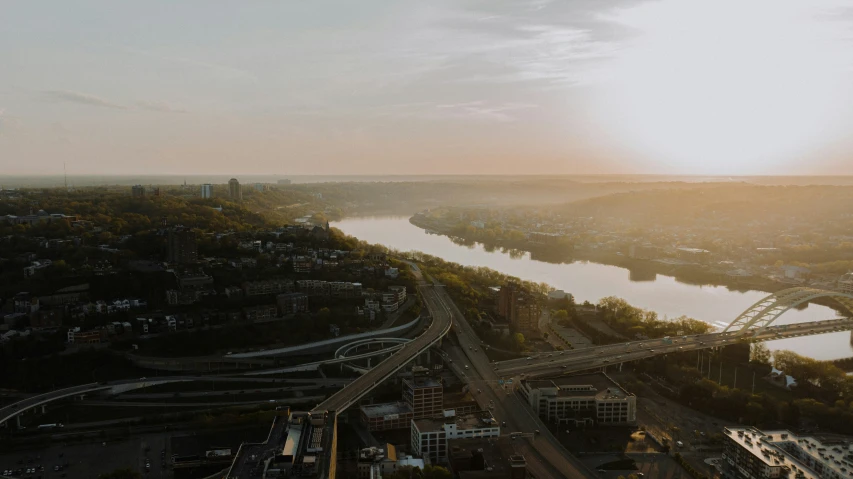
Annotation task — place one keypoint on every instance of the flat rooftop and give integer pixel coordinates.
(598, 385)
(386, 409)
(498, 455)
(474, 420)
(423, 382)
(780, 449)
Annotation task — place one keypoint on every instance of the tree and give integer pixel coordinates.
(436, 472)
(518, 341)
(121, 474)
(760, 353)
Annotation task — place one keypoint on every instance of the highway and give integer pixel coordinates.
(550, 364)
(12, 410)
(439, 326)
(545, 456)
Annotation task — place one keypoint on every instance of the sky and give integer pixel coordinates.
(723, 87)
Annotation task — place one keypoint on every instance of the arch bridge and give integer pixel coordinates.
(764, 312)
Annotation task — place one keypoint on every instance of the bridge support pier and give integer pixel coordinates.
(18, 420)
(43, 408)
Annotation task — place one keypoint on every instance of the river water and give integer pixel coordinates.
(591, 282)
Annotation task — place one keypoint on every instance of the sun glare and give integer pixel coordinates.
(735, 87)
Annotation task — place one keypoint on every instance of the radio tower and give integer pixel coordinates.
(65, 174)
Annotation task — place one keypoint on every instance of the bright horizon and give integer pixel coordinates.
(386, 87)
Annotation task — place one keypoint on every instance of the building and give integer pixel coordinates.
(291, 303)
(258, 313)
(492, 458)
(235, 191)
(393, 298)
(189, 282)
(137, 191)
(269, 286)
(424, 395)
(182, 246)
(507, 297)
(313, 287)
(845, 283)
(385, 416)
(559, 294)
(753, 454)
(583, 399)
(41, 216)
(260, 187)
(431, 435)
(376, 462)
(343, 289)
(303, 264)
(207, 190)
(76, 336)
(284, 182)
(525, 318)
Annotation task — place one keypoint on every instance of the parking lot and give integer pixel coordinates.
(92, 459)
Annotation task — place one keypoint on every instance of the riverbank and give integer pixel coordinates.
(639, 269)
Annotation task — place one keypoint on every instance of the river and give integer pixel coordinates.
(591, 282)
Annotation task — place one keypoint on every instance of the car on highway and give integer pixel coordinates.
(529, 358)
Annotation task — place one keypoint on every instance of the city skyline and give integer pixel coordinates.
(403, 88)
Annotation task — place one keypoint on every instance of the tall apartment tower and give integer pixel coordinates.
(424, 395)
(137, 191)
(507, 299)
(235, 190)
(207, 190)
(183, 246)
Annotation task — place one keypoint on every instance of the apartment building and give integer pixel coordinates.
(393, 298)
(750, 453)
(291, 303)
(270, 286)
(344, 290)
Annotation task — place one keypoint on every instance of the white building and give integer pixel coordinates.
(587, 398)
(845, 283)
(393, 298)
(559, 294)
(430, 435)
(207, 190)
(754, 454)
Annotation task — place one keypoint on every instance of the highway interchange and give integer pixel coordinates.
(545, 456)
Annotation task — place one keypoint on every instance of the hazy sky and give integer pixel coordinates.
(437, 86)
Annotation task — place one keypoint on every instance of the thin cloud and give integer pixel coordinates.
(80, 98)
(159, 106)
(224, 71)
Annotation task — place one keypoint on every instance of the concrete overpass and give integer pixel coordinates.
(441, 322)
(117, 387)
(550, 364)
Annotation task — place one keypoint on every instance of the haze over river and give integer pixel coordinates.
(591, 282)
